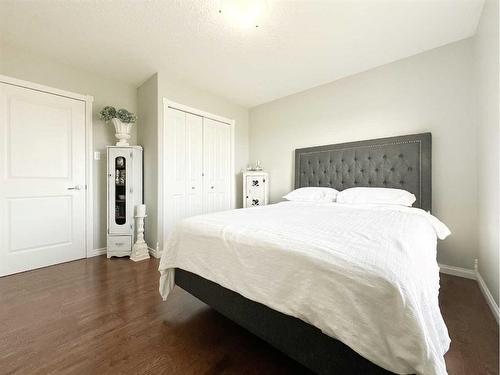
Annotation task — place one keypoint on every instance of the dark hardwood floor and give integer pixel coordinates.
(100, 316)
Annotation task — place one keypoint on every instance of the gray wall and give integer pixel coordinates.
(39, 69)
(432, 91)
(486, 59)
(149, 113)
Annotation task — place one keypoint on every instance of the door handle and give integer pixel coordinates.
(76, 187)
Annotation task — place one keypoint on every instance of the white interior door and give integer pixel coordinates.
(216, 165)
(42, 157)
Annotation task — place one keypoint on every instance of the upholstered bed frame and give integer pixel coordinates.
(398, 162)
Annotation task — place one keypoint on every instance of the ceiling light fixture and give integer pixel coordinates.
(244, 13)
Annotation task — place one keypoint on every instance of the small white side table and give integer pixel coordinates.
(255, 188)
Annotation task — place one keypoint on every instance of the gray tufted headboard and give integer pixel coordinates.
(397, 162)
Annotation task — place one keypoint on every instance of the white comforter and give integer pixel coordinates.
(366, 275)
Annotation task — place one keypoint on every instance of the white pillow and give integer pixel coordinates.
(312, 194)
(360, 195)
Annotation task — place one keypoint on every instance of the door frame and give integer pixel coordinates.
(167, 103)
(89, 188)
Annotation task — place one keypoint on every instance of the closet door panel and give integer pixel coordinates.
(216, 165)
(175, 166)
(194, 167)
(222, 167)
(209, 165)
(197, 166)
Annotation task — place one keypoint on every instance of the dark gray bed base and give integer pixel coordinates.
(398, 162)
(301, 341)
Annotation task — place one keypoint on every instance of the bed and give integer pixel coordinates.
(333, 301)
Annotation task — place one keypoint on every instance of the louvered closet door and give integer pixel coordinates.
(216, 165)
(184, 161)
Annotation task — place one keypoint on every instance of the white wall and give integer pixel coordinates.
(486, 43)
(169, 87)
(35, 68)
(432, 91)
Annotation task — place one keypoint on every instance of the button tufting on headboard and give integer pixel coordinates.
(398, 162)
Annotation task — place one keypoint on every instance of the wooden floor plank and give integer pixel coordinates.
(105, 316)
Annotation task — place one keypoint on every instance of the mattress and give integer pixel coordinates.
(366, 275)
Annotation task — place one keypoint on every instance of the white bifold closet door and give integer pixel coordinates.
(197, 174)
(184, 163)
(216, 166)
(194, 165)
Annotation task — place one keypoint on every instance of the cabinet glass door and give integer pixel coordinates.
(120, 205)
(120, 187)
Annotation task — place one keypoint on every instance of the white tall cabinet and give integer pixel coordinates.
(124, 194)
(197, 175)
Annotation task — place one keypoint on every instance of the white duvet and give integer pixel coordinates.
(366, 275)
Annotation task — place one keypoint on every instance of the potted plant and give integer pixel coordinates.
(122, 120)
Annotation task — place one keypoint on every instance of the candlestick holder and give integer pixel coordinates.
(140, 250)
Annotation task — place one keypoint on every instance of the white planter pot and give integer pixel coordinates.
(122, 132)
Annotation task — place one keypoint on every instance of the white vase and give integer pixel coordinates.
(122, 132)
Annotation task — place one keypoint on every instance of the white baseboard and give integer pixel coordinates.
(96, 252)
(457, 271)
(487, 294)
(474, 275)
(154, 253)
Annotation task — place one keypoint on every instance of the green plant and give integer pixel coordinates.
(108, 113)
(126, 116)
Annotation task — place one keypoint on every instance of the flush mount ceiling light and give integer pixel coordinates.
(244, 13)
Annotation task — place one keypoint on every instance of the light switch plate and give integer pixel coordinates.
(97, 155)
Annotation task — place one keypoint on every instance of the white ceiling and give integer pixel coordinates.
(299, 45)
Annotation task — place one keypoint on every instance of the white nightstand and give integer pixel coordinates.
(255, 188)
